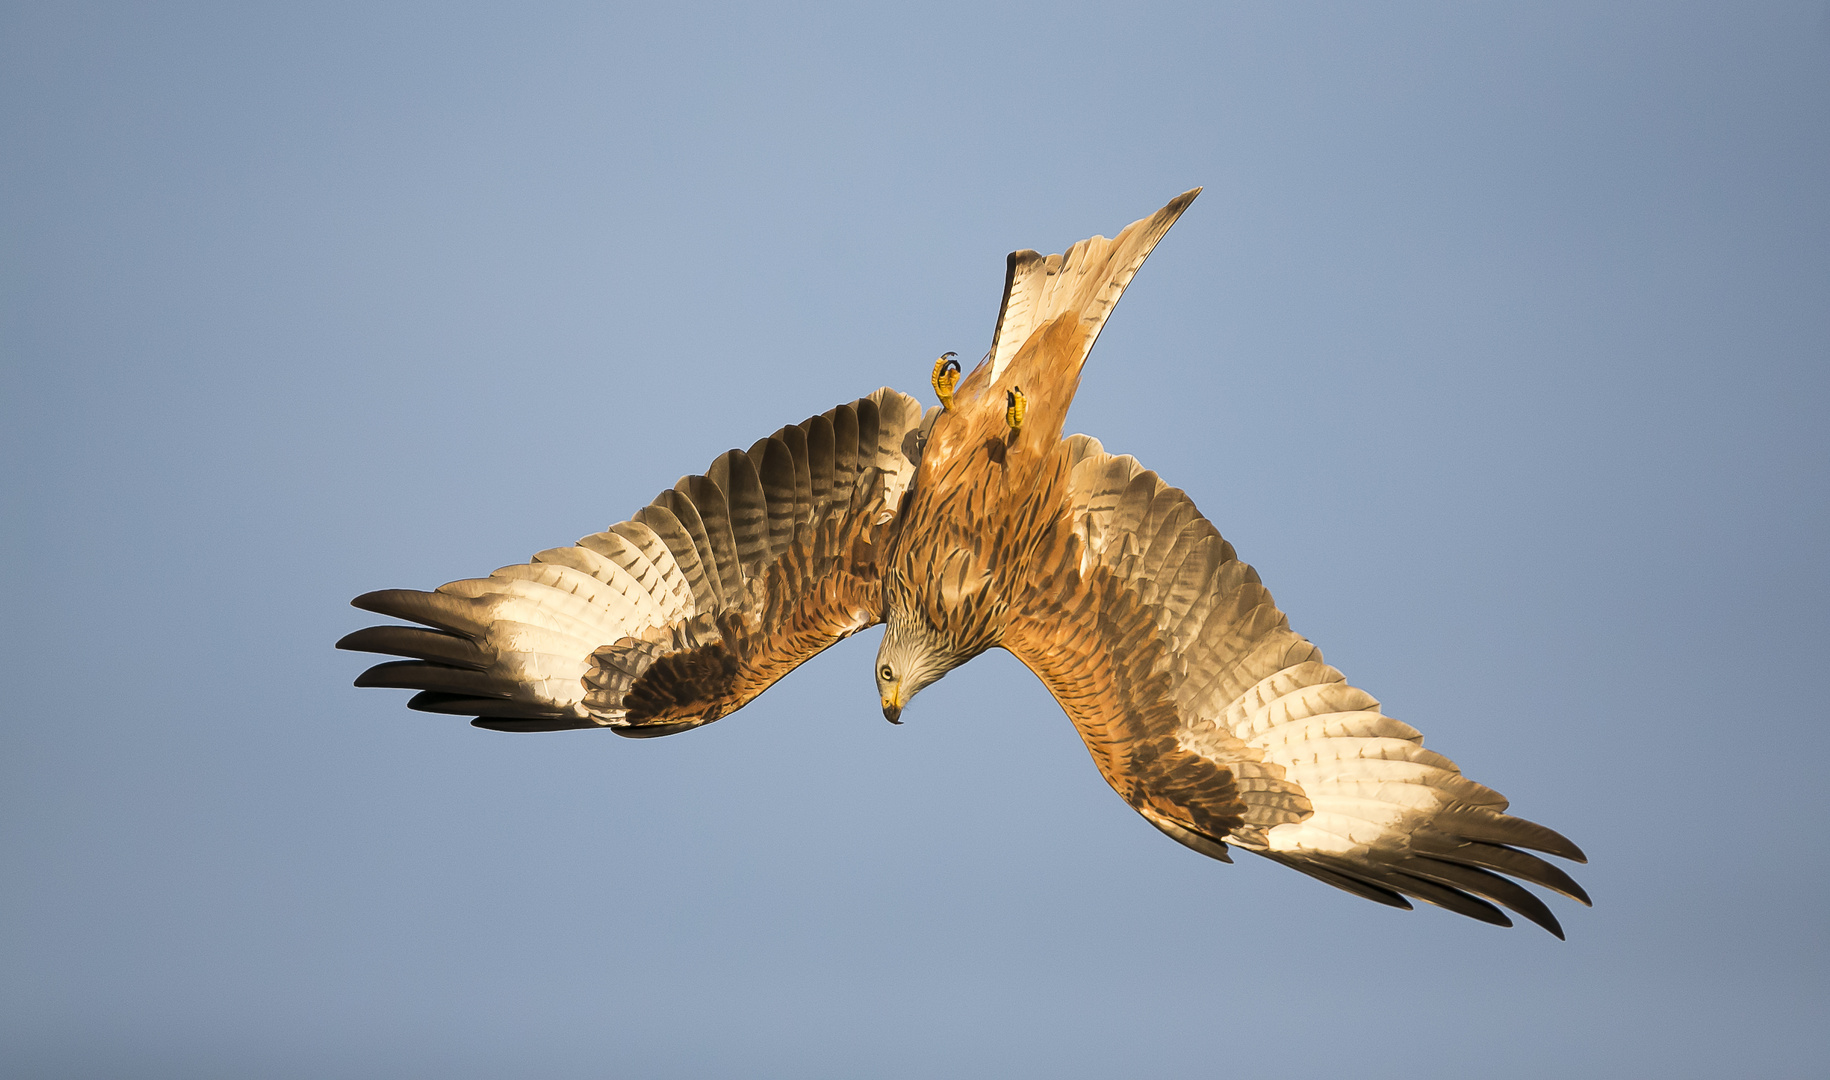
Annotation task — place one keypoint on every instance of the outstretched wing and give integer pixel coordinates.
(1221, 725)
(719, 587)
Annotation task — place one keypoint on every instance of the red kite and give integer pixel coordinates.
(973, 526)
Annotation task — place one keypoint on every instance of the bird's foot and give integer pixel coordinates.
(1015, 404)
(946, 377)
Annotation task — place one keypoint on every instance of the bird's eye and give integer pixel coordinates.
(888, 675)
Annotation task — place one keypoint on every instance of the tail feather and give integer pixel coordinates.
(1089, 278)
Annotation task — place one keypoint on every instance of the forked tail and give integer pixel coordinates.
(1054, 308)
(1088, 278)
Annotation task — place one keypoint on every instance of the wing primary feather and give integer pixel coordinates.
(1444, 896)
(655, 731)
(520, 726)
(434, 701)
(1479, 882)
(1346, 882)
(1519, 864)
(419, 675)
(453, 613)
(1484, 823)
(417, 642)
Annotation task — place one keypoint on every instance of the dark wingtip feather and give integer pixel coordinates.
(437, 701)
(1498, 857)
(388, 676)
(655, 731)
(381, 601)
(1444, 896)
(417, 642)
(1342, 880)
(453, 613)
(1481, 823)
(1475, 881)
(523, 726)
(443, 678)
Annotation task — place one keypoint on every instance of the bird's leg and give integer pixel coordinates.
(1015, 404)
(946, 377)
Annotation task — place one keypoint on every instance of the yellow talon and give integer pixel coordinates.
(1014, 406)
(946, 377)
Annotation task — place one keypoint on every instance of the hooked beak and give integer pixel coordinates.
(892, 711)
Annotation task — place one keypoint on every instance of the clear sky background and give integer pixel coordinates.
(1499, 343)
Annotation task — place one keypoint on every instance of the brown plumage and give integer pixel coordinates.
(967, 528)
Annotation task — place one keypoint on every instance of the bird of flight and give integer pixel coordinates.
(971, 526)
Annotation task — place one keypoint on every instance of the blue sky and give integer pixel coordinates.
(1498, 343)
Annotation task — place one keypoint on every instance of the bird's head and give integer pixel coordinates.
(911, 656)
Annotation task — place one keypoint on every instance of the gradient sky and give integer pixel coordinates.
(1499, 343)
